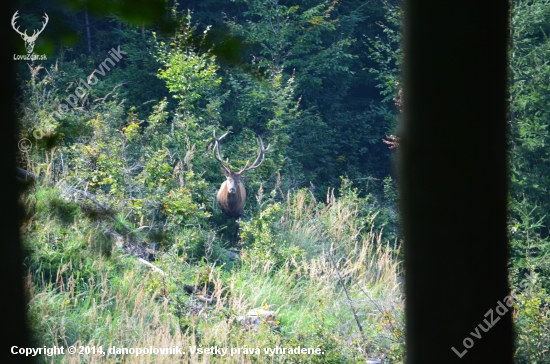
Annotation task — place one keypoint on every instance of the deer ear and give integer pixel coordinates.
(224, 171)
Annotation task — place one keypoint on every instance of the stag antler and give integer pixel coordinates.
(43, 25)
(259, 160)
(24, 34)
(217, 149)
(13, 19)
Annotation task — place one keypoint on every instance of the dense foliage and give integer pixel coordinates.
(122, 151)
(529, 172)
(122, 124)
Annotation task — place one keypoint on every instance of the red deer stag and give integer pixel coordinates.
(232, 194)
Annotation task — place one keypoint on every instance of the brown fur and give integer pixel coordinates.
(232, 204)
(232, 194)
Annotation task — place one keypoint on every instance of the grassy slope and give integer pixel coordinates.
(84, 290)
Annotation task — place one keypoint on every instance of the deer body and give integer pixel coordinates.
(232, 204)
(232, 195)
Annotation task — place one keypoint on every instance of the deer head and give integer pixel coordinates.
(29, 40)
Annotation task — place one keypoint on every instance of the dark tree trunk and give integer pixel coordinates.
(119, 31)
(453, 181)
(88, 31)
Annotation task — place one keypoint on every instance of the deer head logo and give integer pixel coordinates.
(29, 40)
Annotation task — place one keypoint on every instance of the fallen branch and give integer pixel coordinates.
(152, 266)
(23, 175)
(134, 248)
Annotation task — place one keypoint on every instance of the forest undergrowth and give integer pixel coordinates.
(294, 260)
(125, 245)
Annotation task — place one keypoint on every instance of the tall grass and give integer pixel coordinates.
(297, 257)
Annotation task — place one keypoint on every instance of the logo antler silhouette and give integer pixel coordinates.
(29, 40)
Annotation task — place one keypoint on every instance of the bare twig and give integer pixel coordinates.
(113, 90)
(393, 329)
(352, 307)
